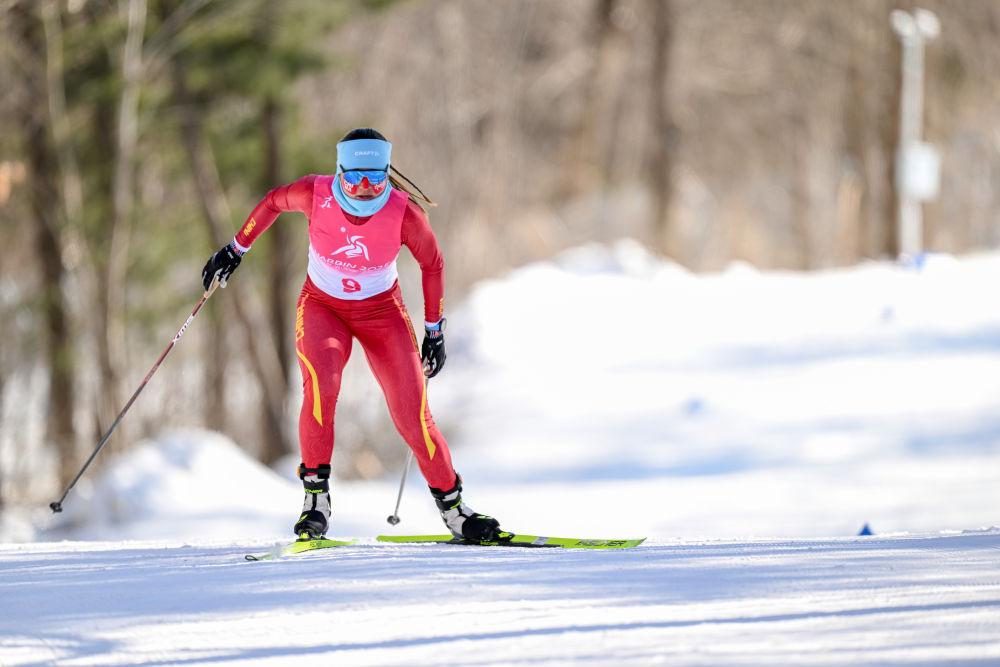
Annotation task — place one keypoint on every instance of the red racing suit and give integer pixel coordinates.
(351, 292)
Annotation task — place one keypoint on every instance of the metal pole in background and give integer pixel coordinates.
(917, 163)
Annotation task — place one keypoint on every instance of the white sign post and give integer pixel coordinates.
(918, 165)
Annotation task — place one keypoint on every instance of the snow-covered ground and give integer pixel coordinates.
(749, 424)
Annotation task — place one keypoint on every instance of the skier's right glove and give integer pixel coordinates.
(221, 265)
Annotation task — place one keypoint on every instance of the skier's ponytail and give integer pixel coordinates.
(397, 178)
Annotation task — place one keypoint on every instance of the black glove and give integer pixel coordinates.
(221, 264)
(432, 351)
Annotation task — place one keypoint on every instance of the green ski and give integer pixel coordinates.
(505, 540)
(298, 546)
(512, 540)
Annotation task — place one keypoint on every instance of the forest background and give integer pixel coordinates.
(136, 135)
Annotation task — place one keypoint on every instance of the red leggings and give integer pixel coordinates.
(324, 328)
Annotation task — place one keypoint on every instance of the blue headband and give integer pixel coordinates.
(362, 154)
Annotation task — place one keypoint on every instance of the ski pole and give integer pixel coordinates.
(393, 518)
(57, 505)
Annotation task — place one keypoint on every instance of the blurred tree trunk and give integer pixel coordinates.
(887, 240)
(278, 235)
(280, 306)
(216, 214)
(3, 493)
(854, 191)
(112, 347)
(800, 255)
(69, 168)
(44, 204)
(583, 161)
(665, 132)
(259, 351)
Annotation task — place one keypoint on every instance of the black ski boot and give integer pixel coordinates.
(316, 509)
(462, 521)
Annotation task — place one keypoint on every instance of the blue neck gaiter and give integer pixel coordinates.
(362, 154)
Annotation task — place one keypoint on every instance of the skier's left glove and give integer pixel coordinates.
(432, 351)
(221, 264)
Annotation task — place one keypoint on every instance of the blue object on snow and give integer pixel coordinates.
(694, 406)
(866, 530)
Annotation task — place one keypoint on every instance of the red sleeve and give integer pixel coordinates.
(295, 196)
(418, 236)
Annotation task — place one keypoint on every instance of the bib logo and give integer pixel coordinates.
(326, 202)
(354, 247)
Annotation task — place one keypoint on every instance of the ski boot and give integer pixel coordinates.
(462, 521)
(316, 508)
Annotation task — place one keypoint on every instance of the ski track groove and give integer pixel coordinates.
(866, 600)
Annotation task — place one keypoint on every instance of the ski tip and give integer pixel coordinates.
(299, 546)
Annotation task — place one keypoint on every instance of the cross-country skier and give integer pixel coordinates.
(358, 219)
